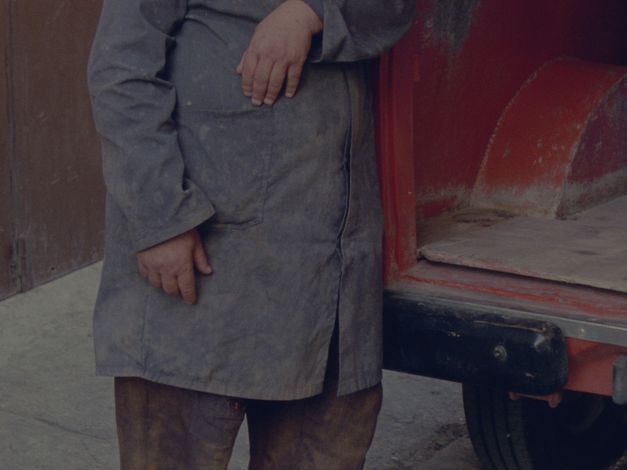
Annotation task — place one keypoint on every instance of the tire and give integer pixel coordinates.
(585, 432)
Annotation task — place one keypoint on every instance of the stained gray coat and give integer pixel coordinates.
(285, 198)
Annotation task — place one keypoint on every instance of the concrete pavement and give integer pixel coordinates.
(56, 415)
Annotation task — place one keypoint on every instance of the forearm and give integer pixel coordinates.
(132, 106)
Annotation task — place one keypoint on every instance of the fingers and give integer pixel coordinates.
(170, 285)
(187, 286)
(200, 259)
(142, 268)
(247, 67)
(170, 265)
(275, 83)
(263, 78)
(260, 81)
(155, 279)
(184, 284)
(263, 83)
(293, 79)
(240, 66)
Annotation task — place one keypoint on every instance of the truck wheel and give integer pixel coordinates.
(585, 432)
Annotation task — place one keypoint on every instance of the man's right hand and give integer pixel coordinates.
(170, 265)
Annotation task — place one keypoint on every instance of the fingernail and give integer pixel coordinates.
(256, 102)
(268, 102)
(289, 95)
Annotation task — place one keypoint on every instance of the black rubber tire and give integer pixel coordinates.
(585, 432)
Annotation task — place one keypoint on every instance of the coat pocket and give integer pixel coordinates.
(228, 155)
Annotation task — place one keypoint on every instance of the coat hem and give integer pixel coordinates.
(348, 386)
(215, 388)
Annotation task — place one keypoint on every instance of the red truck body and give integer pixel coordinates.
(503, 160)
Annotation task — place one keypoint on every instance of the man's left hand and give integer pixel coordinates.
(277, 52)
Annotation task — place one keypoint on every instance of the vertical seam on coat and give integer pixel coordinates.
(346, 170)
(144, 353)
(267, 166)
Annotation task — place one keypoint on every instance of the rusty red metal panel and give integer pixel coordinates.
(57, 166)
(591, 366)
(535, 295)
(397, 74)
(8, 281)
(436, 115)
(445, 86)
(475, 55)
(561, 144)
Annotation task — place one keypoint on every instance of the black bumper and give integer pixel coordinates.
(467, 343)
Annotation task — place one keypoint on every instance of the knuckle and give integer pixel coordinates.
(168, 271)
(185, 272)
(264, 51)
(267, 48)
(256, 50)
(156, 265)
(281, 56)
(187, 292)
(294, 60)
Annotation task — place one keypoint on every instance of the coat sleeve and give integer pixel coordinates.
(359, 29)
(132, 105)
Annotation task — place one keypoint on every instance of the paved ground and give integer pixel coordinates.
(55, 415)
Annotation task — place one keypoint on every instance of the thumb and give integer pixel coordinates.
(200, 259)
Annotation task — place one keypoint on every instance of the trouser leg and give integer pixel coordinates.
(168, 428)
(325, 432)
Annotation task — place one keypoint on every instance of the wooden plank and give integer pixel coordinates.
(57, 165)
(589, 249)
(8, 280)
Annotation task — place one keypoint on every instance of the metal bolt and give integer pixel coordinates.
(500, 353)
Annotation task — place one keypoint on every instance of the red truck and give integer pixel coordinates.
(503, 163)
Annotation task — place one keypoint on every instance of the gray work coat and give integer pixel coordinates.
(285, 198)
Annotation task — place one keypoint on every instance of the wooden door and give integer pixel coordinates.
(55, 209)
(8, 279)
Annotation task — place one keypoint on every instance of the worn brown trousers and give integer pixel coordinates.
(167, 428)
